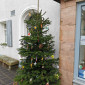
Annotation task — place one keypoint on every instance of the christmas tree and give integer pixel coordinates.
(38, 65)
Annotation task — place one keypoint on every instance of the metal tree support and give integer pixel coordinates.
(38, 6)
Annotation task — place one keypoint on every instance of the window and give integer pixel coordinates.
(28, 15)
(81, 73)
(3, 32)
(79, 66)
(6, 32)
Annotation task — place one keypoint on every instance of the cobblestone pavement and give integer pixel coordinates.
(6, 76)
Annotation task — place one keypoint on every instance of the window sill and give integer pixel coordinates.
(78, 81)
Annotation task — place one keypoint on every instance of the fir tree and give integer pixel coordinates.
(38, 62)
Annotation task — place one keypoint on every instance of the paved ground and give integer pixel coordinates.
(6, 76)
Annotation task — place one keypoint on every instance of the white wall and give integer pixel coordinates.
(20, 6)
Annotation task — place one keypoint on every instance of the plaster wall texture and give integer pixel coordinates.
(21, 6)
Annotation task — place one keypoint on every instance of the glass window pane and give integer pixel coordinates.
(82, 45)
(83, 21)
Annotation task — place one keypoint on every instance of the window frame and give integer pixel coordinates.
(8, 30)
(77, 44)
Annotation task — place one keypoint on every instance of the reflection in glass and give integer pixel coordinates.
(83, 21)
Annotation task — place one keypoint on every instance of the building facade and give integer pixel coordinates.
(68, 27)
(72, 42)
(12, 26)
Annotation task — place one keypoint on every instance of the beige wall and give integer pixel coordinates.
(67, 41)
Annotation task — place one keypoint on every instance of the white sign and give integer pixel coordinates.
(82, 42)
